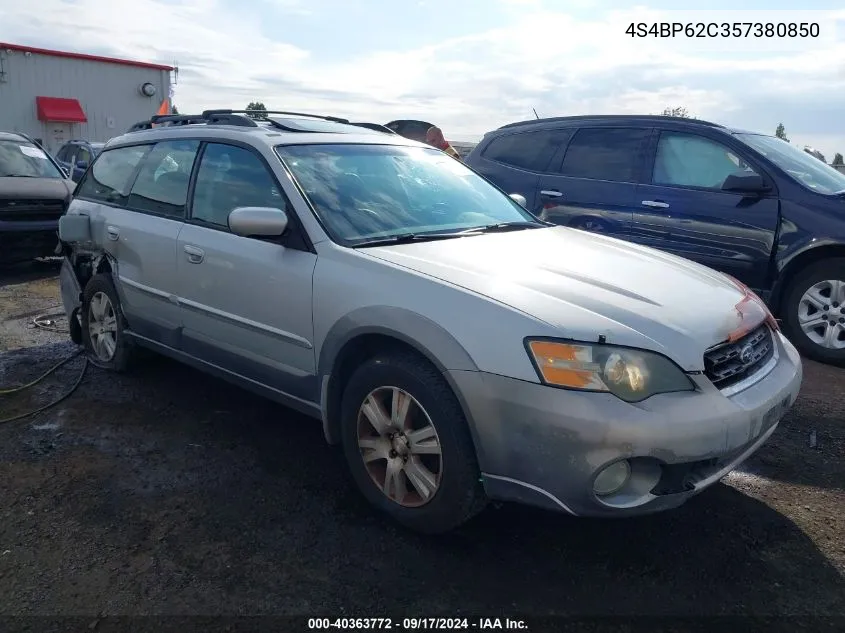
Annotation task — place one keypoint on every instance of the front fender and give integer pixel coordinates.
(422, 334)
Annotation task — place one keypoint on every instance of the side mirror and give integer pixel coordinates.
(82, 164)
(258, 221)
(519, 199)
(744, 182)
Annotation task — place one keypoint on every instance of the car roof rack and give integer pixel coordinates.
(262, 114)
(611, 117)
(207, 117)
(245, 118)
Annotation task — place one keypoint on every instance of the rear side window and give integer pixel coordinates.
(529, 150)
(611, 154)
(108, 178)
(162, 183)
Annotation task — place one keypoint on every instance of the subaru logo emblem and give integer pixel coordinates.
(746, 354)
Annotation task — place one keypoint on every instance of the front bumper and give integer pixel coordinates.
(20, 241)
(544, 446)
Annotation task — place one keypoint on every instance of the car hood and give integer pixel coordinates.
(586, 285)
(35, 188)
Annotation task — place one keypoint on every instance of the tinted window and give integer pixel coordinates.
(108, 179)
(162, 183)
(231, 177)
(63, 154)
(688, 160)
(605, 154)
(529, 150)
(365, 192)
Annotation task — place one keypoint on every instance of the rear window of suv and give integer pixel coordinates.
(613, 154)
(527, 150)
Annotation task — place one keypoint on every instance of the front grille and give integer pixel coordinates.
(31, 210)
(730, 363)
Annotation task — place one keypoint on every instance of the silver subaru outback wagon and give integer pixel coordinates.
(458, 348)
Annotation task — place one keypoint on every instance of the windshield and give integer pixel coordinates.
(806, 169)
(23, 159)
(370, 192)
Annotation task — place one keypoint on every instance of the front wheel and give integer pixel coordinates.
(814, 311)
(407, 444)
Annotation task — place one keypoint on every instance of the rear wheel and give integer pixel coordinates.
(407, 444)
(103, 325)
(814, 311)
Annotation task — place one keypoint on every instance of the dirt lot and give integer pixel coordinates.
(169, 492)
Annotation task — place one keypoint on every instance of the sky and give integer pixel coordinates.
(469, 65)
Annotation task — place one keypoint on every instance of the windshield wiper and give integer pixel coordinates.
(17, 176)
(407, 238)
(504, 226)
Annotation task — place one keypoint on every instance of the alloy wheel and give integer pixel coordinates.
(821, 314)
(102, 326)
(400, 446)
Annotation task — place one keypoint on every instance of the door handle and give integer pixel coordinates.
(551, 193)
(195, 255)
(113, 233)
(654, 204)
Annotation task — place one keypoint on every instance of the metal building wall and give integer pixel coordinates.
(109, 94)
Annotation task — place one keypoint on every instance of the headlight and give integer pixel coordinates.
(630, 374)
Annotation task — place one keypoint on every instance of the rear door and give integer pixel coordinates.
(138, 195)
(514, 161)
(594, 187)
(683, 210)
(246, 302)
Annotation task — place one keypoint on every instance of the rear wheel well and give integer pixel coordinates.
(352, 355)
(794, 268)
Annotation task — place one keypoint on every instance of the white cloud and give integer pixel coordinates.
(559, 63)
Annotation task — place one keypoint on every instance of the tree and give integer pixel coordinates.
(837, 160)
(780, 132)
(175, 110)
(257, 110)
(679, 111)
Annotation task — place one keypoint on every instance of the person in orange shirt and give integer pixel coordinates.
(434, 137)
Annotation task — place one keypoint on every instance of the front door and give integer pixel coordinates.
(246, 303)
(683, 210)
(595, 186)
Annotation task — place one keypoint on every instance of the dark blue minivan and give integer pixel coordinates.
(750, 205)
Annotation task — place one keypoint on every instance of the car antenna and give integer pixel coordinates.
(535, 113)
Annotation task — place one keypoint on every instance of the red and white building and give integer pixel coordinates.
(56, 96)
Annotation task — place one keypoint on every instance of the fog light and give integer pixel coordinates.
(612, 478)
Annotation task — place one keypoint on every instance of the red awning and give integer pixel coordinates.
(58, 109)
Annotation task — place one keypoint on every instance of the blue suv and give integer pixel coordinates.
(75, 156)
(749, 205)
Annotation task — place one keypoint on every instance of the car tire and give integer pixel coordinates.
(812, 294)
(103, 325)
(451, 479)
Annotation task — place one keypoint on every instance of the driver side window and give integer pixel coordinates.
(688, 160)
(231, 177)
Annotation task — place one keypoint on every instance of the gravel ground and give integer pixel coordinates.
(168, 492)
